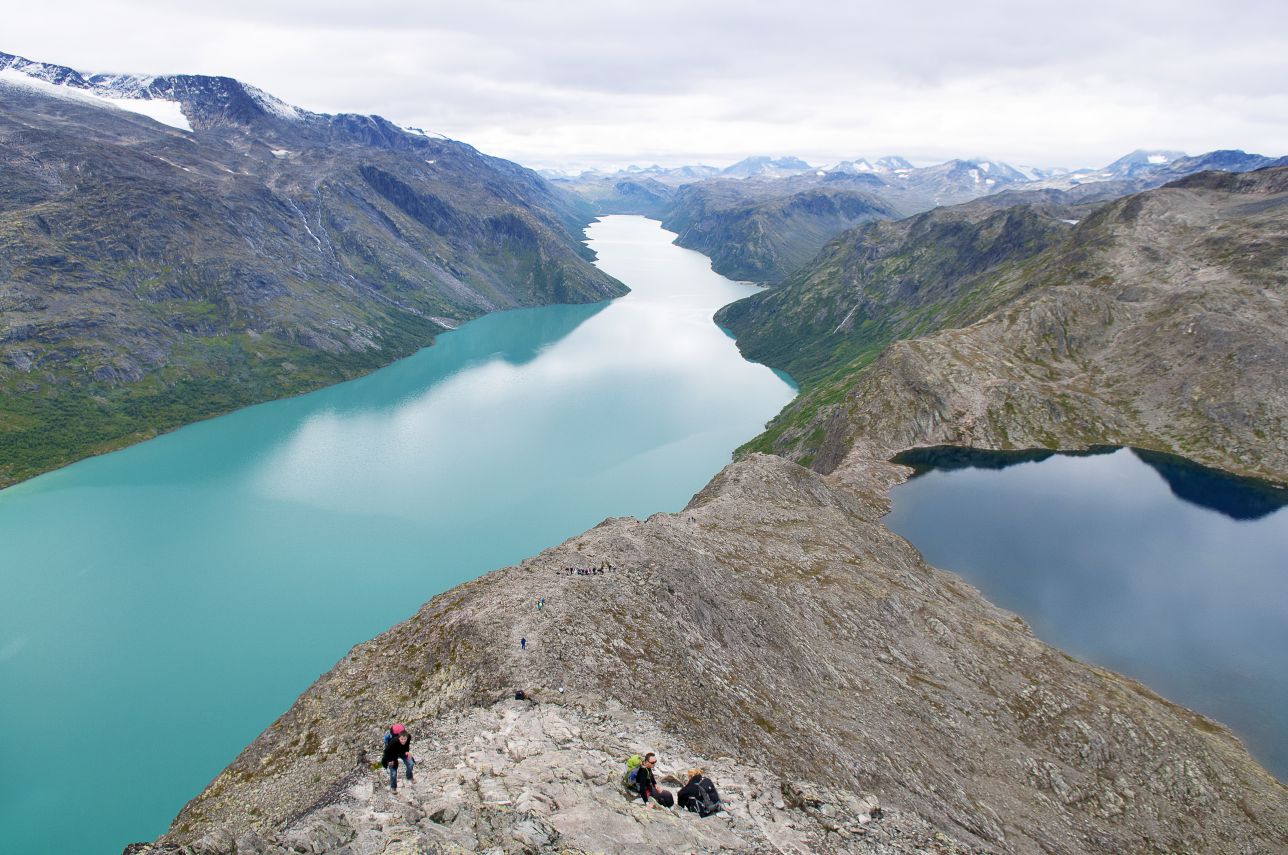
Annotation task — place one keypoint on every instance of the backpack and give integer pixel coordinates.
(632, 770)
(707, 801)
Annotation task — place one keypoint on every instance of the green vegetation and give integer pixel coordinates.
(877, 284)
(63, 421)
(175, 279)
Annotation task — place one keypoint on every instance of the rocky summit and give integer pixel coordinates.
(528, 775)
(775, 633)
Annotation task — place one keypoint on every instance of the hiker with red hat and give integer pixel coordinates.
(397, 747)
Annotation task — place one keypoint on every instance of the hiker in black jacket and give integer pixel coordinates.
(397, 747)
(647, 785)
(699, 795)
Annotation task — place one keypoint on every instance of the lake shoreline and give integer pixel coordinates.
(410, 469)
(859, 604)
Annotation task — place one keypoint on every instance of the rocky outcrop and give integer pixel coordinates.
(776, 631)
(545, 776)
(1158, 322)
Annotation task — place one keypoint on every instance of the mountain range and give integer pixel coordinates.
(1153, 320)
(174, 247)
(763, 217)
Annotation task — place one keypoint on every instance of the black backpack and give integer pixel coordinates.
(707, 801)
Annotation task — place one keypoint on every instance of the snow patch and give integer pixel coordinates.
(1157, 158)
(1071, 222)
(280, 152)
(275, 106)
(164, 112)
(820, 174)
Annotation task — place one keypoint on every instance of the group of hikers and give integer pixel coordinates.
(698, 795)
(588, 571)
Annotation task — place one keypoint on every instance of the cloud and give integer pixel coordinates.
(616, 82)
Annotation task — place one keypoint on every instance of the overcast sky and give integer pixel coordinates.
(571, 84)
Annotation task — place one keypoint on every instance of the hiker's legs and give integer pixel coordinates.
(393, 775)
(410, 765)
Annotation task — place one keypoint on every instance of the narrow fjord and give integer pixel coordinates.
(186, 589)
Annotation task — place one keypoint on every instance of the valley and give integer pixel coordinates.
(178, 247)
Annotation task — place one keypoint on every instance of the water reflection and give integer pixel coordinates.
(1103, 560)
(1237, 497)
(222, 567)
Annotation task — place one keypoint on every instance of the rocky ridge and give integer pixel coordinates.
(777, 623)
(533, 776)
(1157, 322)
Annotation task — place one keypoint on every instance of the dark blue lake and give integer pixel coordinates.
(1144, 563)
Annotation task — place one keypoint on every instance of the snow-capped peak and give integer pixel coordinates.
(166, 112)
(272, 104)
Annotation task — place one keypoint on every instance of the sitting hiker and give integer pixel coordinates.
(397, 747)
(647, 784)
(699, 795)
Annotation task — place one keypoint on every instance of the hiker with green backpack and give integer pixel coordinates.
(639, 778)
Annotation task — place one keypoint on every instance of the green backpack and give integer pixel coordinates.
(632, 769)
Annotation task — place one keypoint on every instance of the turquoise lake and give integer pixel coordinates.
(1144, 563)
(161, 605)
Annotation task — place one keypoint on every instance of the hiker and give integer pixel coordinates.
(523, 644)
(397, 747)
(699, 795)
(647, 784)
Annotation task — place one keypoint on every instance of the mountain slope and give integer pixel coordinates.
(890, 280)
(1157, 322)
(764, 241)
(153, 276)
